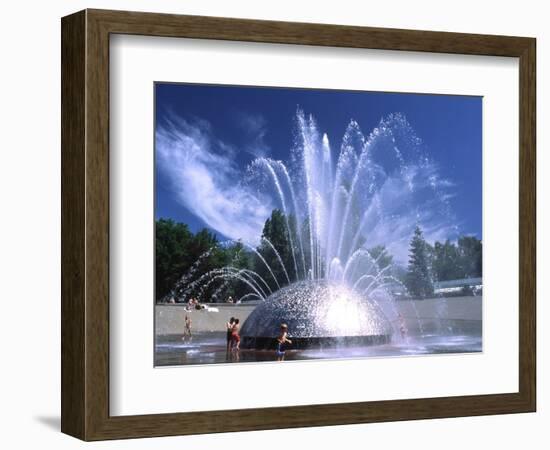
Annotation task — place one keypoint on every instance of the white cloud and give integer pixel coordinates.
(205, 179)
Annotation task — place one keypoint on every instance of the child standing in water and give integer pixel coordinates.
(229, 327)
(282, 339)
(235, 338)
(187, 329)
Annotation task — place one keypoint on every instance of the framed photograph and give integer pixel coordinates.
(272, 225)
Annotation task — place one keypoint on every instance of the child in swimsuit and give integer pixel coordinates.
(235, 338)
(187, 329)
(282, 339)
(229, 326)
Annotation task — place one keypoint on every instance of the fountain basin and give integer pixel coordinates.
(318, 314)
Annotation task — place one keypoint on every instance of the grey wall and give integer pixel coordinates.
(458, 313)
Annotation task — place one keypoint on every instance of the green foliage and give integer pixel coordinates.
(275, 231)
(178, 250)
(446, 264)
(456, 261)
(471, 254)
(418, 280)
(381, 255)
(442, 262)
(238, 257)
(306, 244)
(180, 253)
(172, 257)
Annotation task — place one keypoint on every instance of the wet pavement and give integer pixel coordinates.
(210, 348)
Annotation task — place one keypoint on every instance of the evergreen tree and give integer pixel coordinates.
(275, 231)
(418, 280)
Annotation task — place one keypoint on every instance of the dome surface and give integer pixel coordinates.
(317, 313)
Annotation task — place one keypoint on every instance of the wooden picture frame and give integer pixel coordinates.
(85, 224)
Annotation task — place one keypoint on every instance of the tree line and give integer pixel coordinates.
(182, 254)
(442, 261)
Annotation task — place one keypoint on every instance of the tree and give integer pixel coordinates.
(471, 253)
(276, 232)
(447, 264)
(182, 255)
(305, 236)
(381, 255)
(418, 280)
(456, 261)
(237, 257)
(171, 256)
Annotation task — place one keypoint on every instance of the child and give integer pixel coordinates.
(229, 326)
(282, 339)
(235, 338)
(402, 326)
(187, 329)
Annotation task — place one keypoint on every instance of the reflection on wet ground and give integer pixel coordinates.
(210, 347)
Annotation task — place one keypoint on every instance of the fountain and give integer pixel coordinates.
(319, 314)
(336, 292)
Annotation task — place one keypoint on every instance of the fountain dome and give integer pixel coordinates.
(318, 313)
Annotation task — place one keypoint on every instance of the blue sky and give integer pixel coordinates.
(226, 127)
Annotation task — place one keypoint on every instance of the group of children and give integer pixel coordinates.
(234, 338)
